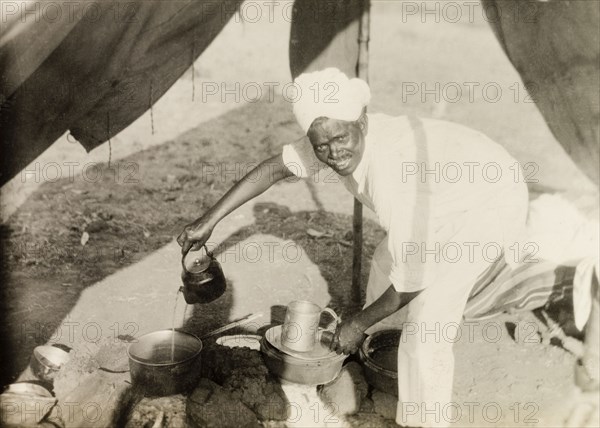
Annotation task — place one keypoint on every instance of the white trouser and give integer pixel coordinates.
(426, 360)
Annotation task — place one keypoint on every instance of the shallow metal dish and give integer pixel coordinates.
(32, 389)
(25, 404)
(251, 341)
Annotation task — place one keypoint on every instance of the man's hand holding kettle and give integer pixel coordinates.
(195, 235)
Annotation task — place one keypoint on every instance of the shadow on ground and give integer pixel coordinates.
(124, 212)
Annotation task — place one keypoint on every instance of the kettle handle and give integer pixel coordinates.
(185, 253)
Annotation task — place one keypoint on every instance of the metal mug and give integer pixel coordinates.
(300, 331)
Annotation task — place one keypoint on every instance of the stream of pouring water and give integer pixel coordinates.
(173, 327)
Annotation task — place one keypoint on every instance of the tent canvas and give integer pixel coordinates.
(94, 71)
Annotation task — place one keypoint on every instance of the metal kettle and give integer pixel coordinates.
(203, 282)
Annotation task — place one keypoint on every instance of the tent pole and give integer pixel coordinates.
(357, 220)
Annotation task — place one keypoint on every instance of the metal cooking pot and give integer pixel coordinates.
(46, 361)
(152, 368)
(379, 354)
(204, 281)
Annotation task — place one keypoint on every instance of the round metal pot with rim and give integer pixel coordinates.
(301, 371)
(379, 357)
(46, 361)
(155, 371)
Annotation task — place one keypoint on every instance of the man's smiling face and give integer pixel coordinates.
(339, 143)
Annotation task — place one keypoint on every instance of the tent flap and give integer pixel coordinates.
(102, 75)
(555, 47)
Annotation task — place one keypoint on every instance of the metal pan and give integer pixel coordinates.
(152, 368)
(378, 354)
(296, 370)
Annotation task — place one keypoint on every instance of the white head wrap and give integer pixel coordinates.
(331, 94)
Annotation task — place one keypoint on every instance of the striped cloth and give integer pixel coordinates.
(530, 286)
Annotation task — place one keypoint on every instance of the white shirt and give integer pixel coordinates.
(420, 176)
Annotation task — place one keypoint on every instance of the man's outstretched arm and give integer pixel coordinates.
(251, 185)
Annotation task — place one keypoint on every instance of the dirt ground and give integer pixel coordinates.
(93, 254)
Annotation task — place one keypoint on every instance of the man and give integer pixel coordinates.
(451, 200)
